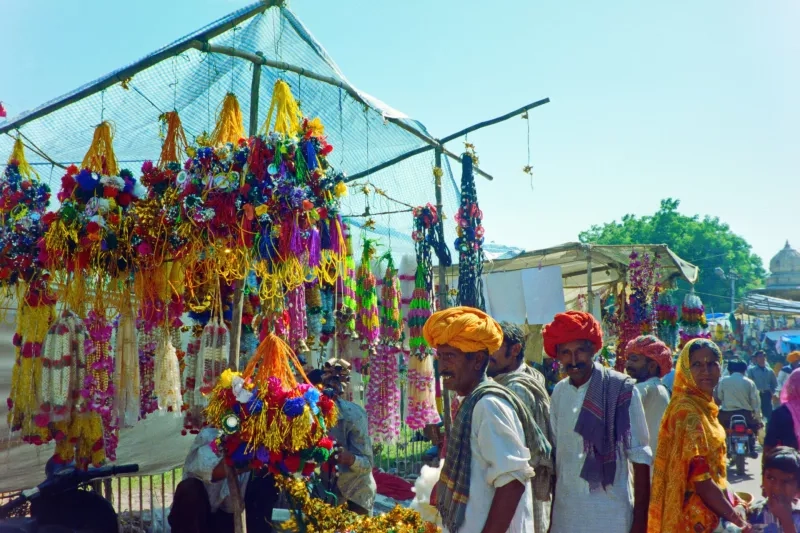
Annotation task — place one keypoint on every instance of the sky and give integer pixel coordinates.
(690, 100)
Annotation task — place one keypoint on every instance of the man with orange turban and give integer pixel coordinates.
(599, 428)
(792, 362)
(648, 361)
(494, 444)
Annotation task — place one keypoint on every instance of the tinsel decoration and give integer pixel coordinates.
(126, 370)
(100, 157)
(470, 240)
(367, 318)
(383, 391)
(422, 408)
(667, 318)
(346, 295)
(174, 146)
(693, 323)
(313, 515)
(639, 315)
(267, 419)
(168, 376)
(284, 108)
(230, 124)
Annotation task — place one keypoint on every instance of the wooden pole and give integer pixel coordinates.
(442, 272)
(239, 513)
(589, 272)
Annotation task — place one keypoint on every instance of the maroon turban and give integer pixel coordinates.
(650, 346)
(572, 326)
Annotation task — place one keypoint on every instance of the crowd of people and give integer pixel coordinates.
(606, 451)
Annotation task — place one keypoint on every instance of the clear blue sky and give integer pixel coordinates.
(694, 100)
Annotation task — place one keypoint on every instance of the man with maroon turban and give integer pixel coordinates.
(598, 430)
(648, 361)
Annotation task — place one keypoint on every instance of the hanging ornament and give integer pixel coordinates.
(667, 317)
(126, 370)
(168, 376)
(470, 240)
(693, 323)
(638, 317)
(367, 319)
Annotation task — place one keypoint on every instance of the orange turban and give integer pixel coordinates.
(465, 328)
(649, 346)
(572, 326)
(793, 357)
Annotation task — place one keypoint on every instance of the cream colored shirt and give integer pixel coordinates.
(655, 399)
(738, 392)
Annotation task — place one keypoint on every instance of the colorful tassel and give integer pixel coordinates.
(286, 111)
(174, 146)
(100, 157)
(18, 157)
(230, 124)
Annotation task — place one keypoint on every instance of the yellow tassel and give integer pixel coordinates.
(100, 157)
(287, 112)
(340, 189)
(174, 142)
(230, 125)
(18, 156)
(301, 430)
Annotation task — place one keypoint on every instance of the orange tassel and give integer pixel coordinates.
(100, 157)
(272, 358)
(174, 142)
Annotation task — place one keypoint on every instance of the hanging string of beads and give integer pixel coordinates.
(470, 239)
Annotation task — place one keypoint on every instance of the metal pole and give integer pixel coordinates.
(733, 293)
(589, 293)
(442, 271)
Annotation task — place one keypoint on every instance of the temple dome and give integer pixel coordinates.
(785, 267)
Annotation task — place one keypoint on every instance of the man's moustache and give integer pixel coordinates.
(579, 366)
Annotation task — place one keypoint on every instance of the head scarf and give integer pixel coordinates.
(572, 326)
(652, 348)
(466, 328)
(793, 357)
(689, 429)
(790, 397)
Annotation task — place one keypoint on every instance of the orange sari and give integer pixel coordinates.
(691, 448)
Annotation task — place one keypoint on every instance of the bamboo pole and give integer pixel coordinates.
(490, 122)
(442, 271)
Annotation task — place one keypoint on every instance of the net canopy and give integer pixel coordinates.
(192, 75)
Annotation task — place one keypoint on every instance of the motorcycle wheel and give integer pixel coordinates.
(739, 461)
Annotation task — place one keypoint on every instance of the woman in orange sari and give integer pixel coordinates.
(689, 489)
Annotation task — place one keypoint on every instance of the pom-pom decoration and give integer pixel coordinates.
(667, 320)
(268, 420)
(693, 323)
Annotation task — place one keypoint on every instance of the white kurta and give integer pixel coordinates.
(655, 399)
(576, 509)
(499, 456)
(201, 461)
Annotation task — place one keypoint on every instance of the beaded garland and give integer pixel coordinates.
(470, 240)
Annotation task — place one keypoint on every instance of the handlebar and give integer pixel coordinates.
(64, 480)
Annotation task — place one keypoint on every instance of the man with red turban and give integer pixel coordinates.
(599, 428)
(494, 444)
(648, 361)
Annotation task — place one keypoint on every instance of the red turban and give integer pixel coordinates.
(572, 326)
(650, 346)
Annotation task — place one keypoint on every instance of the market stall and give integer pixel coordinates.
(179, 233)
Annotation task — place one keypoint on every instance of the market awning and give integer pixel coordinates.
(760, 304)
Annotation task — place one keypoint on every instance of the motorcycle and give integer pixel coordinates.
(60, 505)
(739, 438)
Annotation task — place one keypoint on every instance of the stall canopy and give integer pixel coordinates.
(759, 304)
(193, 74)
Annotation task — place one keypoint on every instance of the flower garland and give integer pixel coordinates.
(126, 371)
(298, 329)
(470, 239)
(346, 296)
(168, 376)
(383, 391)
(693, 323)
(314, 317)
(147, 344)
(422, 407)
(367, 318)
(35, 312)
(667, 317)
(314, 515)
(212, 360)
(639, 315)
(267, 419)
(193, 420)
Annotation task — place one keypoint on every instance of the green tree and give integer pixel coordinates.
(705, 242)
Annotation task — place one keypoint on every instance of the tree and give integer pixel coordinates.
(705, 242)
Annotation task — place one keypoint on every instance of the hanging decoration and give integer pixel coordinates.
(230, 123)
(267, 419)
(667, 317)
(345, 296)
(168, 376)
(693, 323)
(638, 317)
(314, 317)
(367, 318)
(126, 370)
(470, 239)
(383, 391)
(422, 402)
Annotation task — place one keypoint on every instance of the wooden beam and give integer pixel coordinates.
(139, 66)
(493, 121)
